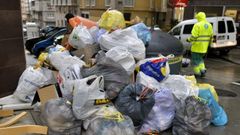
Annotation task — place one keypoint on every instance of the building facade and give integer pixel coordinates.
(214, 8)
(62, 8)
(151, 12)
(25, 9)
(43, 13)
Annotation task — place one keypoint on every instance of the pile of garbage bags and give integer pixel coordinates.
(120, 92)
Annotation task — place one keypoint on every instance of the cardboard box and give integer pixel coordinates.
(46, 93)
(88, 52)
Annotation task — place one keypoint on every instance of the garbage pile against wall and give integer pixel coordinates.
(108, 87)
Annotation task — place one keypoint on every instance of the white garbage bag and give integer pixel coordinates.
(88, 96)
(147, 81)
(61, 61)
(122, 56)
(80, 37)
(180, 86)
(31, 80)
(161, 116)
(127, 38)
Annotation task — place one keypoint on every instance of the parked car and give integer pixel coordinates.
(224, 33)
(47, 29)
(42, 45)
(31, 42)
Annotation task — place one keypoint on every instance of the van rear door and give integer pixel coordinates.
(221, 36)
(231, 32)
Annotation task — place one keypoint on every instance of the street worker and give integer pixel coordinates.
(200, 39)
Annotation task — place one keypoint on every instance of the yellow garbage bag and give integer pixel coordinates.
(211, 88)
(112, 20)
(41, 58)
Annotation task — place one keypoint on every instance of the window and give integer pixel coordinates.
(107, 2)
(187, 29)
(127, 16)
(230, 26)
(221, 27)
(128, 3)
(177, 31)
(93, 2)
(87, 2)
(85, 14)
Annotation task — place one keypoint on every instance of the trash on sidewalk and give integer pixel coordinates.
(80, 37)
(161, 116)
(58, 116)
(142, 32)
(180, 86)
(192, 117)
(88, 96)
(219, 116)
(108, 121)
(105, 85)
(127, 38)
(135, 101)
(112, 20)
(122, 56)
(31, 80)
(115, 76)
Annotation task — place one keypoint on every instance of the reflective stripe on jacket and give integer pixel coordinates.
(201, 36)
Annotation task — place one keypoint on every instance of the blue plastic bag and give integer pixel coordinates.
(219, 116)
(142, 32)
(155, 68)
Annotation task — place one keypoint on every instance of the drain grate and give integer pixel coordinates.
(225, 93)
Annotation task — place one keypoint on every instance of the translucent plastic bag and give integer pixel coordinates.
(115, 76)
(219, 116)
(192, 117)
(180, 86)
(129, 102)
(58, 116)
(121, 55)
(112, 20)
(127, 38)
(31, 80)
(94, 32)
(80, 37)
(161, 116)
(108, 121)
(142, 31)
(88, 96)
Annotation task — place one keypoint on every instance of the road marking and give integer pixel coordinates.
(236, 83)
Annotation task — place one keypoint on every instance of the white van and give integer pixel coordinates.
(224, 30)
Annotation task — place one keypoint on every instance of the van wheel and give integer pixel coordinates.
(224, 52)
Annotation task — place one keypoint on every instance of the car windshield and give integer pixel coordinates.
(49, 34)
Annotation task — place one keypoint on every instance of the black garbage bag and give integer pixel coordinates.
(58, 116)
(192, 117)
(129, 102)
(115, 76)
